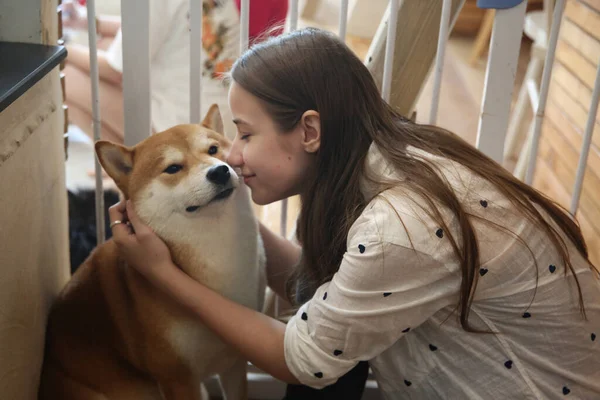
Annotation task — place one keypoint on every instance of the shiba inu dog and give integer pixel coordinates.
(111, 334)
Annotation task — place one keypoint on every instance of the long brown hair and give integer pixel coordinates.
(310, 69)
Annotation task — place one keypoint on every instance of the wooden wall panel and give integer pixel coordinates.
(584, 16)
(567, 110)
(562, 161)
(571, 135)
(576, 63)
(595, 4)
(574, 111)
(546, 181)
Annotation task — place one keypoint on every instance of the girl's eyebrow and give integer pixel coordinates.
(239, 121)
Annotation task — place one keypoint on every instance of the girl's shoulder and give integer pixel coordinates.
(407, 215)
(397, 217)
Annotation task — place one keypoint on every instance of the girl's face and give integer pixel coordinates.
(274, 164)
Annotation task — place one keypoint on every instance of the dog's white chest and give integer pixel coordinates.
(231, 260)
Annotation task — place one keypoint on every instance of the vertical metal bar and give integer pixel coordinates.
(587, 140)
(244, 25)
(135, 27)
(283, 218)
(293, 25)
(293, 15)
(284, 203)
(499, 80)
(91, 14)
(545, 85)
(513, 133)
(439, 62)
(523, 159)
(195, 60)
(390, 46)
(343, 20)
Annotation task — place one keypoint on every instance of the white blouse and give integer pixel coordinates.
(394, 301)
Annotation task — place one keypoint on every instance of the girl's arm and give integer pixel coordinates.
(260, 339)
(282, 255)
(256, 336)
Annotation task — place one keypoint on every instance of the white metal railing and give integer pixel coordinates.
(293, 15)
(195, 61)
(439, 59)
(505, 44)
(587, 141)
(244, 25)
(500, 77)
(504, 48)
(136, 70)
(494, 116)
(543, 96)
(343, 20)
(390, 46)
(94, 77)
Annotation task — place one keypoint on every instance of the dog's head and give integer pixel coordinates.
(178, 173)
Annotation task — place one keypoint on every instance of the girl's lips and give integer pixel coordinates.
(247, 178)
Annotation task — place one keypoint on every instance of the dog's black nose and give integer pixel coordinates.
(219, 175)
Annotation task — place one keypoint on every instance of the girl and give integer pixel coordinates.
(419, 253)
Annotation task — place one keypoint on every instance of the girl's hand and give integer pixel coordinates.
(141, 248)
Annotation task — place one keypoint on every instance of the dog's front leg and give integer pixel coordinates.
(234, 381)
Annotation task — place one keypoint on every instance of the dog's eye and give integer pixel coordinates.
(212, 150)
(173, 169)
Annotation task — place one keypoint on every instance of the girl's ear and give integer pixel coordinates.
(311, 125)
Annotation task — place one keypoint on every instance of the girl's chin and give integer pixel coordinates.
(262, 200)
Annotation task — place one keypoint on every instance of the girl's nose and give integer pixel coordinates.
(235, 155)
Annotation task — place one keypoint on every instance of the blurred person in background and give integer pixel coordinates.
(169, 60)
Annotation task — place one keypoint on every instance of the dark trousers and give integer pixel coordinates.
(348, 387)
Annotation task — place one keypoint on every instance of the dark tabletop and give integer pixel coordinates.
(24, 64)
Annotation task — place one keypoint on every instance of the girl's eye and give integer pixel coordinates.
(213, 150)
(173, 169)
(245, 136)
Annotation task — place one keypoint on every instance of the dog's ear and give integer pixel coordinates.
(117, 161)
(213, 120)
